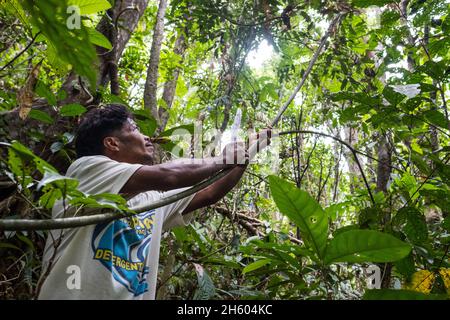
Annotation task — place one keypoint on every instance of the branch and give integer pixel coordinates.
(74, 222)
(308, 70)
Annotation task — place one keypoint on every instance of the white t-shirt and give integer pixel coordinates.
(112, 260)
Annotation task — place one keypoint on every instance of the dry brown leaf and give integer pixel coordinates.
(26, 93)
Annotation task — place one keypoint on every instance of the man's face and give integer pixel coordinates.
(135, 147)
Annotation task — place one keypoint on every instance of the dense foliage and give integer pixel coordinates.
(360, 176)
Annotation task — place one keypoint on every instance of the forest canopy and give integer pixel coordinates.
(351, 201)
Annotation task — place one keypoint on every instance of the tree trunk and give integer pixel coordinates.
(150, 90)
(125, 16)
(383, 164)
(171, 86)
(351, 137)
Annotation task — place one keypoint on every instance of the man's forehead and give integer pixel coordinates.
(131, 122)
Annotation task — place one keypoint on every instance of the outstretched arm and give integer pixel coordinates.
(172, 175)
(217, 190)
(181, 173)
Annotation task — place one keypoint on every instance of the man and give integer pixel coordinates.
(119, 259)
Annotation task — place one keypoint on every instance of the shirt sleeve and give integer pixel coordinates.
(173, 216)
(99, 174)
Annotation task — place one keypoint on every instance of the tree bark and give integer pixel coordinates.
(118, 28)
(171, 86)
(150, 90)
(351, 137)
(384, 164)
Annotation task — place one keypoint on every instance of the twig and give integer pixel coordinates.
(21, 52)
(354, 152)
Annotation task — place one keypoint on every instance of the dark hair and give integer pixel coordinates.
(97, 124)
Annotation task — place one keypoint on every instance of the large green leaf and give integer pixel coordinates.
(25, 153)
(365, 246)
(304, 211)
(183, 128)
(72, 45)
(53, 177)
(436, 118)
(435, 70)
(90, 6)
(391, 294)
(44, 91)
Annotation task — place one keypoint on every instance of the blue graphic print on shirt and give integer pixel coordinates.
(122, 247)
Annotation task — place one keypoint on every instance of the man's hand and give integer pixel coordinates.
(234, 154)
(259, 141)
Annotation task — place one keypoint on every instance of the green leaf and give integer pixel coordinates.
(365, 246)
(406, 266)
(52, 177)
(416, 226)
(71, 45)
(44, 91)
(15, 8)
(26, 240)
(145, 121)
(304, 211)
(435, 70)
(48, 199)
(389, 17)
(436, 118)
(102, 200)
(392, 96)
(186, 127)
(72, 110)
(255, 265)
(5, 245)
(90, 6)
(25, 153)
(40, 116)
(99, 39)
(446, 223)
(391, 294)
(180, 234)
(368, 3)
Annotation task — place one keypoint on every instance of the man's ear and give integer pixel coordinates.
(111, 144)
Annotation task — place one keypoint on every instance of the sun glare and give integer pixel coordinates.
(259, 56)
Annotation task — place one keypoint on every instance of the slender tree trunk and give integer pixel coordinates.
(171, 86)
(351, 137)
(383, 164)
(434, 138)
(150, 90)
